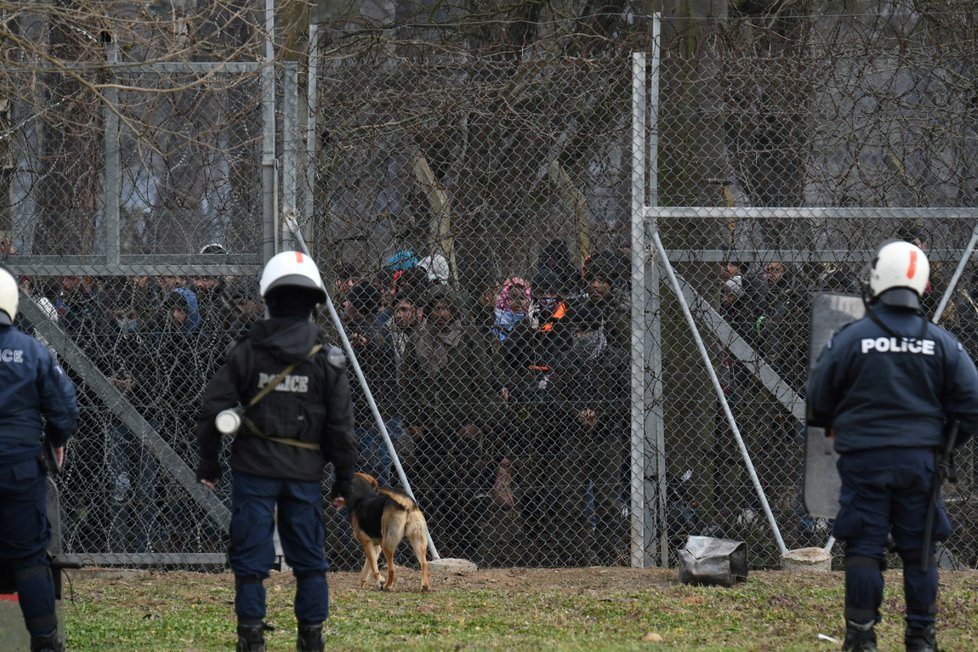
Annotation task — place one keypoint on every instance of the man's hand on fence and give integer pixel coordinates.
(122, 384)
(588, 418)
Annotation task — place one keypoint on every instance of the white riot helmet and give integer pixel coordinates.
(8, 298)
(898, 275)
(291, 269)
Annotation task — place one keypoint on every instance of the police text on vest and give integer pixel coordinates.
(298, 384)
(11, 355)
(897, 345)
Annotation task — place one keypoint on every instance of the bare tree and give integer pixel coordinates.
(182, 134)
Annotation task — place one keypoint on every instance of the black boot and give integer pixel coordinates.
(310, 638)
(860, 637)
(251, 636)
(48, 643)
(921, 640)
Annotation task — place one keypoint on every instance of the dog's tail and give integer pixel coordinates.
(416, 526)
(401, 499)
(369, 479)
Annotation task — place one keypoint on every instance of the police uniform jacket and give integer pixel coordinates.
(31, 385)
(877, 390)
(311, 405)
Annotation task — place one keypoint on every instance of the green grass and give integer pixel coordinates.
(567, 609)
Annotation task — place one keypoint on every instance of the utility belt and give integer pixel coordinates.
(254, 430)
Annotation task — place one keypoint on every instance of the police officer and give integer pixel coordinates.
(32, 386)
(288, 434)
(888, 386)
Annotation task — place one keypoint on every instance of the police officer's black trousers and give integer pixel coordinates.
(884, 491)
(252, 552)
(24, 537)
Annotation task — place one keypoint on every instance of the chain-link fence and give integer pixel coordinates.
(481, 195)
(515, 170)
(133, 223)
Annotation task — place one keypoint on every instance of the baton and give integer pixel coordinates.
(48, 460)
(945, 454)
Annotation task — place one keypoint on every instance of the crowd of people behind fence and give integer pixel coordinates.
(156, 341)
(518, 399)
(514, 401)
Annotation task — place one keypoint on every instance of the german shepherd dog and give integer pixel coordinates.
(381, 518)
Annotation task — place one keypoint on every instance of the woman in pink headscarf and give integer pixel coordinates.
(512, 306)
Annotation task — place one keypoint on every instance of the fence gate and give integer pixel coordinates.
(805, 186)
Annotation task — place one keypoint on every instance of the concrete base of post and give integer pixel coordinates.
(451, 565)
(806, 560)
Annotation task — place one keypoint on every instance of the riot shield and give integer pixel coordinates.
(830, 312)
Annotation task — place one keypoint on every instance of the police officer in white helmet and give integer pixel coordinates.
(289, 395)
(32, 387)
(888, 387)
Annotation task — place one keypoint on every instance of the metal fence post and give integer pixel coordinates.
(111, 153)
(269, 181)
(655, 425)
(308, 208)
(290, 147)
(639, 522)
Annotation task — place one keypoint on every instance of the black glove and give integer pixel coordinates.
(341, 488)
(208, 470)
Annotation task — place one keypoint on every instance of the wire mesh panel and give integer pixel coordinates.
(751, 305)
(874, 115)
(472, 207)
(189, 152)
(134, 227)
(503, 178)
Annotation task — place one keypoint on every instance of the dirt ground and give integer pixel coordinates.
(615, 580)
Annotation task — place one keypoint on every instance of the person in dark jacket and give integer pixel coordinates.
(35, 397)
(83, 310)
(374, 347)
(132, 467)
(734, 499)
(288, 435)
(217, 311)
(888, 387)
(173, 375)
(593, 378)
(248, 309)
(605, 277)
(537, 416)
(447, 410)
